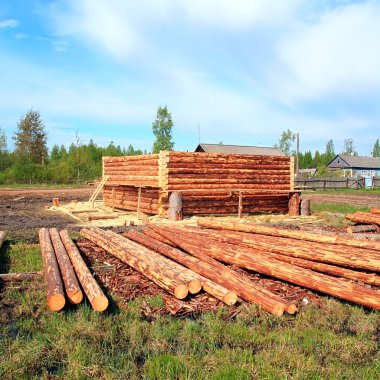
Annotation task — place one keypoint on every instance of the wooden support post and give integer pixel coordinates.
(113, 198)
(56, 202)
(240, 208)
(138, 203)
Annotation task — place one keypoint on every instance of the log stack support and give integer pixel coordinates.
(210, 183)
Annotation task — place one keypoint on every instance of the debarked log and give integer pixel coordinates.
(54, 288)
(94, 293)
(73, 290)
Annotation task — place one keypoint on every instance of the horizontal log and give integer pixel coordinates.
(297, 235)
(142, 157)
(8, 277)
(271, 267)
(212, 170)
(362, 228)
(327, 253)
(364, 218)
(225, 179)
(169, 275)
(283, 253)
(375, 210)
(235, 187)
(245, 288)
(54, 288)
(198, 266)
(95, 295)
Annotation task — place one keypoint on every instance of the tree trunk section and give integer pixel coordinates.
(73, 291)
(248, 259)
(168, 275)
(362, 228)
(8, 277)
(204, 269)
(273, 231)
(94, 293)
(243, 287)
(54, 288)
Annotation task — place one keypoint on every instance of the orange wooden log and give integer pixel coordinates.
(273, 231)
(375, 210)
(244, 288)
(284, 271)
(364, 218)
(54, 288)
(56, 202)
(280, 252)
(169, 275)
(362, 228)
(210, 279)
(94, 293)
(73, 290)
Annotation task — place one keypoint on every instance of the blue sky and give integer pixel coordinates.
(239, 71)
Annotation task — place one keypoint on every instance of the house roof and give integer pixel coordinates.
(358, 161)
(239, 149)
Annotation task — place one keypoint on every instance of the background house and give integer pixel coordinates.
(238, 149)
(357, 166)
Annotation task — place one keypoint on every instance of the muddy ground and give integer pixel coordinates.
(24, 211)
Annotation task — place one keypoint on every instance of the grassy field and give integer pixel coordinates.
(335, 208)
(334, 340)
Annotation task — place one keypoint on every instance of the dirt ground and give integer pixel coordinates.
(360, 199)
(23, 211)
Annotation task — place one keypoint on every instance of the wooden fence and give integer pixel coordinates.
(332, 183)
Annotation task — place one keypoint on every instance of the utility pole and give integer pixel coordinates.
(297, 154)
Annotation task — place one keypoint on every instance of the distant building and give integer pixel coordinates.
(357, 166)
(239, 149)
(304, 173)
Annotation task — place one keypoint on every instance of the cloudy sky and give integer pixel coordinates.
(238, 71)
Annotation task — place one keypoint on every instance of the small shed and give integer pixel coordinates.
(358, 166)
(239, 149)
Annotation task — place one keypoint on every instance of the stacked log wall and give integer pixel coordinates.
(126, 175)
(210, 183)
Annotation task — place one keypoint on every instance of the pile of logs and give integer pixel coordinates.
(210, 183)
(336, 266)
(366, 218)
(181, 273)
(60, 258)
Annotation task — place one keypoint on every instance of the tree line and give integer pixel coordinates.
(319, 160)
(31, 161)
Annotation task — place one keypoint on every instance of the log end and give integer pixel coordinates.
(181, 291)
(292, 309)
(277, 310)
(100, 303)
(230, 298)
(74, 296)
(56, 302)
(194, 286)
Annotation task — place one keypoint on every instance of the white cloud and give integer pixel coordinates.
(9, 23)
(242, 14)
(338, 55)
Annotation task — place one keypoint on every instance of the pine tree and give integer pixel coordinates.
(31, 138)
(162, 129)
(376, 149)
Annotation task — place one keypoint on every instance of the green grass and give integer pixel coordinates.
(42, 185)
(335, 341)
(341, 209)
(344, 191)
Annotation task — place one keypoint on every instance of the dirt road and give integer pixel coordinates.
(23, 211)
